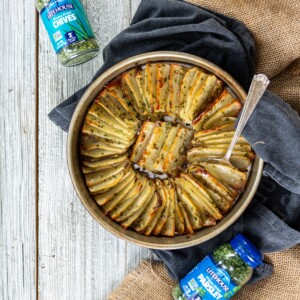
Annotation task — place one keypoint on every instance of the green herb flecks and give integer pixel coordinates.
(228, 259)
(177, 293)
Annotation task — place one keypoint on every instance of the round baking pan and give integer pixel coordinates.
(154, 242)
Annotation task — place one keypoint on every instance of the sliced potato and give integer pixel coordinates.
(225, 120)
(160, 212)
(169, 227)
(176, 74)
(219, 145)
(232, 191)
(106, 184)
(162, 87)
(187, 223)
(131, 88)
(190, 207)
(205, 217)
(221, 102)
(124, 113)
(242, 162)
(103, 163)
(231, 110)
(226, 141)
(198, 153)
(193, 79)
(239, 159)
(221, 129)
(136, 214)
(150, 154)
(221, 203)
(114, 202)
(99, 112)
(115, 141)
(164, 215)
(227, 174)
(142, 141)
(165, 219)
(115, 90)
(179, 217)
(99, 153)
(94, 178)
(210, 181)
(188, 196)
(115, 111)
(102, 151)
(159, 164)
(217, 135)
(214, 188)
(203, 96)
(194, 91)
(112, 125)
(151, 68)
(145, 196)
(88, 170)
(209, 91)
(125, 135)
(90, 142)
(177, 151)
(237, 147)
(139, 186)
(148, 214)
(187, 83)
(105, 197)
(150, 72)
(199, 195)
(140, 78)
(216, 91)
(112, 103)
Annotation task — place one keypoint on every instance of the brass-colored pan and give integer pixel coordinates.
(154, 242)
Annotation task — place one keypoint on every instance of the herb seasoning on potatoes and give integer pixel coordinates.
(144, 148)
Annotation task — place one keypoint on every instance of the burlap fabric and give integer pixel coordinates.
(275, 25)
(150, 281)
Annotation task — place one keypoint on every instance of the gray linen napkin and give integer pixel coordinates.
(272, 221)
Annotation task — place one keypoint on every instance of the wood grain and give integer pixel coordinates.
(17, 150)
(78, 259)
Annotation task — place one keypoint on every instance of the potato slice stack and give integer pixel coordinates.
(161, 147)
(128, 133)
(110, 125)
(214, 129)
(168, 89)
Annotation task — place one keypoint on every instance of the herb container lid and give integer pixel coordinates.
(69, 30)
(247, 251)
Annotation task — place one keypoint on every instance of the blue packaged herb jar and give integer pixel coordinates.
(69, 30)
(221, 273)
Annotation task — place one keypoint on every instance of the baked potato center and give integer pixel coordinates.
(161, 147)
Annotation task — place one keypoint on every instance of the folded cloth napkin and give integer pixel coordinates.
(272, 221)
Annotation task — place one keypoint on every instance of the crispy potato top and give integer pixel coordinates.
(144, 148)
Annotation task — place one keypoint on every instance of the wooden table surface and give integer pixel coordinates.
(50, 247)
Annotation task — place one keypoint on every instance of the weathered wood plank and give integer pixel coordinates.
(134, 6)
(17, 150)
(77, 258)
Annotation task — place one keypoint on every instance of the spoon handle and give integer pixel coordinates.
(258, 86)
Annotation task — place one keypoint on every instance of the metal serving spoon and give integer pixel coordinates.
(258, 86)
